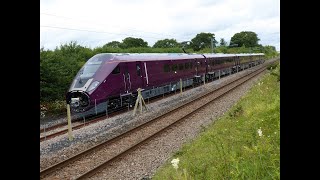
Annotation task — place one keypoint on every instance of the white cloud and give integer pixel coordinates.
(155, 20)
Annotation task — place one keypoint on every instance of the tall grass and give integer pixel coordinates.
(243, 144)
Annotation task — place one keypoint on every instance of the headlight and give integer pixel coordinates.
(93, 85)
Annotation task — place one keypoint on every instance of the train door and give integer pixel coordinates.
(144, 74)
(197, 64)
(139, 83)
(126, 78)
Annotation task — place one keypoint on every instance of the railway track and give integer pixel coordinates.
(62, 128)
(89, 162)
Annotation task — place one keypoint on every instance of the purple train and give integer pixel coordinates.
(109, 81)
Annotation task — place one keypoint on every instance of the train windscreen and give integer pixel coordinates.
(89, 69)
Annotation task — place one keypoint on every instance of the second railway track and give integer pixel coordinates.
(88, 162)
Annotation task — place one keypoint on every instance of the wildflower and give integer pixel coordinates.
(260, 132)
(175, 163)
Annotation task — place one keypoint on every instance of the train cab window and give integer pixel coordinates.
(116, 70)
(138, 70)
(166, 68)
(180, 67)
(191, 65)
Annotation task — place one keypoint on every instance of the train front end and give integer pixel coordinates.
(85, 83)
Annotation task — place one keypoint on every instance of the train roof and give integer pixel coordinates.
(120, 57)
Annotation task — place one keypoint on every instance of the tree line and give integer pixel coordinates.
(59, 66)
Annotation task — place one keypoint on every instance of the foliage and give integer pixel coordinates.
(58, 67)
(245, 38)
(203, 40)
(166, 43)
(275, 70)
(112, 44)
(270, 51)
(131, 42)
(223, 42)
(243, 144)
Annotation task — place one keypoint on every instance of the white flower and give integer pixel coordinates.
(260, 132)
(175, 163)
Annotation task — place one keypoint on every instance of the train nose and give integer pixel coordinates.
(78, 101)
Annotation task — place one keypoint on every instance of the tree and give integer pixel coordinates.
(130, 42)
(112, 44)
(166, 43)
(58, 68)
(244, 38)
(203, 40)
(223, 42)
(272, 48)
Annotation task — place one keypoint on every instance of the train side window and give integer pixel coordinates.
(166, 68)
(180, 67)
(116, 70)
(186, 66)
(191, 65)
(174, 67)
(138, 70)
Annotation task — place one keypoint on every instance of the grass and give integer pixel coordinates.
(231, 148)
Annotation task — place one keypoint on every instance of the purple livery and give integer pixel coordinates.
(110, 80)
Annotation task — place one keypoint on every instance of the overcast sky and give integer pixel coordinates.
(94, 23)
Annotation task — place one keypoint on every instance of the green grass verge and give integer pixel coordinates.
(232, 148)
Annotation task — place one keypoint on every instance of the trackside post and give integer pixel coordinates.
(139, 101)
(180, 85)
(69, 123)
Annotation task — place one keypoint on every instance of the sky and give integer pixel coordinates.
(93, 23)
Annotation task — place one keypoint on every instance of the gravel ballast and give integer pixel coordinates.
(143, 162)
